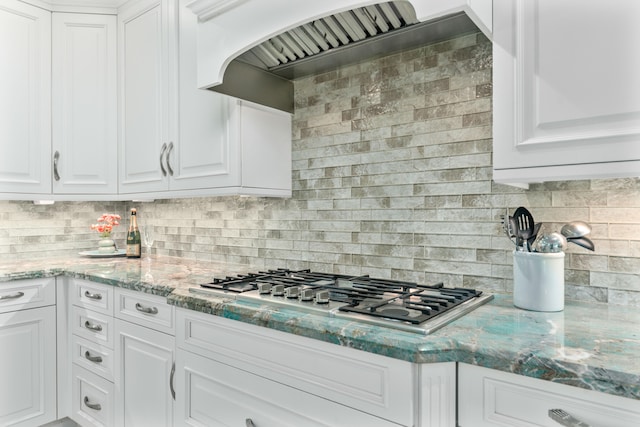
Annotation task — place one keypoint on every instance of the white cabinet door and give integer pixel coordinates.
(84, 104)
(203, 152)
(28, 367)
(25, 103)
(487, 397)
(566, 90)
(144, 372)
(144, 35)
(214, 394)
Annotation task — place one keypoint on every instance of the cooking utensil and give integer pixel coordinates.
(509, 226)
(532, 239)
(575, 229)
(525, 224)
(584, 242)
(551, 243)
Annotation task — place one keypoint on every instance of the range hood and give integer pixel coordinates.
(253, 49)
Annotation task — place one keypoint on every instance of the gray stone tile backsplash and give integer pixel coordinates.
(392, 177)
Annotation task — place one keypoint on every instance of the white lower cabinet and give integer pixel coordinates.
(92, 398)
(487, 397)
(92, 353)
(144, 360)
(221, 395)
(230, 373)
(27, 353)
(144, 371)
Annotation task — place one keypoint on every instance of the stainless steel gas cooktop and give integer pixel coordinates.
(390, 303)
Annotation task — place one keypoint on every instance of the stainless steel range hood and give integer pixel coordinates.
(294, 40)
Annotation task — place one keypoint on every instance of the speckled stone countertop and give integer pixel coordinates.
(588, 345)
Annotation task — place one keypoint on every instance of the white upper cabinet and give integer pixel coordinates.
(84, 104)
(177, 140)
(25, 103)
(566, 90)
(144, 55)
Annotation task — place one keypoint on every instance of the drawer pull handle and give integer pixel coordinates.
(94, 406)
(89, 295)
(12, 296)
(92, 327)
(173, 372)
(249, 423)
(90, 358)
(148, 310)
(566, 419)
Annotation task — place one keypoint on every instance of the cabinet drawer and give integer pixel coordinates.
(371, 383)
(216, 394)
(92, 398)
(147, 310)
(31, 293)
(94, 357)
(94, 296)
(487, 397)
(93, 326)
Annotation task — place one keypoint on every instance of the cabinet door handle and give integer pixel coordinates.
(94, 406)
(89, 295)
(90, 358)
(566, 419)
(11, 296)
(148, 310)
(56, 157)
(92, 327)
(171, 375)
(162, 151)
(168, 158)
(249, 423)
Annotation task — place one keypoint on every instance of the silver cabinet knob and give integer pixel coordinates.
(94, 406)
(90, 295)
(147, 310)
(277, 290)
(92, 326)
(91, 358)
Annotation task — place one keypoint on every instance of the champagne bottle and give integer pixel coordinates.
(133, 237)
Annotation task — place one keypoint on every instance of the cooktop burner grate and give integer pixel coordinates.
(398, 304)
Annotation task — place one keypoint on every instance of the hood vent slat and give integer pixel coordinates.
(331, 32)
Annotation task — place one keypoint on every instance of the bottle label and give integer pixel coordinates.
(133, 250)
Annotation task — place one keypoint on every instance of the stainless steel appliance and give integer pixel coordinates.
(396, 304)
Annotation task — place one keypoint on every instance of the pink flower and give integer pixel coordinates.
(105, 224)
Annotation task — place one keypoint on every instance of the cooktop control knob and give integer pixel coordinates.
(277, 290)
(292, 292)
(264, 288)
(306, 295)
(322, 297)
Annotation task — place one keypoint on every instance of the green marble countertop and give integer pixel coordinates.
(588, 345)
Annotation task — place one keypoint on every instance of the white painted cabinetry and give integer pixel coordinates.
(146, 63)
(25, 103)
(487, 397)
(84, 140)
(92, 353)
(566, 91)
(177, 140)
(27, 352)
(144, 362)
(231, 373)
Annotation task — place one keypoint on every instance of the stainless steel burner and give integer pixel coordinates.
(396, 304)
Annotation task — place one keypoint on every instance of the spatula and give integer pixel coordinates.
(525, 223)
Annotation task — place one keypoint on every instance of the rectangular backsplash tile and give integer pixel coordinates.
(392, 177)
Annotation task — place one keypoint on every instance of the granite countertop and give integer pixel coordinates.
(588, 345)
